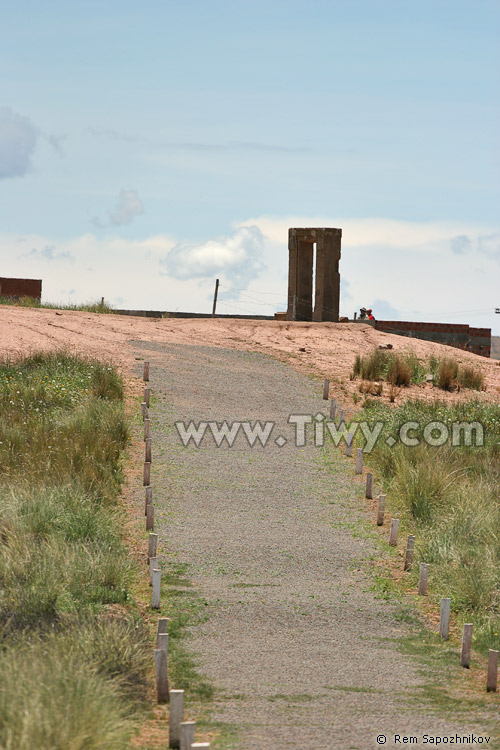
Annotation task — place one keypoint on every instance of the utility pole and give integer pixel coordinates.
(215, 297)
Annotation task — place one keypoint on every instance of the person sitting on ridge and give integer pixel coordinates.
(370, 314)
(362, 313)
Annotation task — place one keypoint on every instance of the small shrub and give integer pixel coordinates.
(470, 377)
(447, 373)
(399, 372)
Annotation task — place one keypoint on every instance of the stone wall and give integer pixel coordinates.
(21, 288)
(477, 340)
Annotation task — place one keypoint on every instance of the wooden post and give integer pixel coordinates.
(176, 716)
(150, 517)
(326, 389)
(466, 645)
(355, 315)
(215, 297)
(147, 474)
(423, 579)
(410, 551)
(153, 565)
(294, 307)
(162, 645)
(341, 414)
(147, 428)
(161, 675)
(161, 629)
(144, 410)
(147, 395)
(333, 408)
(152, 545)
(148, 499)
(155, 594)
(380, 510)
(444, 620)
(393, 536)
(145, 376)
(359, 461)
(102, 301)
(187, 734)
(348, 443)
(147, 452)
(369, 485)
(491, 681)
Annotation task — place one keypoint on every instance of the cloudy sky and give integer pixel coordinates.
(146, 149)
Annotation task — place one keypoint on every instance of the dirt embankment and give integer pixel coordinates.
(325, 349)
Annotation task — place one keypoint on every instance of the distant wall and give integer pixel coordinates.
(495, 347)
(177, 314)
(21, 288)
(477, 340)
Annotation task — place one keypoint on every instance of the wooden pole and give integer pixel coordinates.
(491, 681)
(161, 675)
(466, 645)
(369, 485)
(176, 716)
(215, 297)
(147, 428)
(144, 410)
(333, 408)
(148, 499)
(423, 579)
(187, 734)
(147, 395)
(326, 389)
(147, 452)
(153, 565)
(161, 629)
(341, 414)
(444, 620)
(393, 536)
(355, 315)
(380, 510)
(410, 551)
(294, 307)
(359, 461)
(150, 517)
(155, 594)
(147, 474)
(348, 443)
(162, 645)
(152, 545)
(145, 375)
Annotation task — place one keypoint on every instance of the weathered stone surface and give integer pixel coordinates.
(300, 274)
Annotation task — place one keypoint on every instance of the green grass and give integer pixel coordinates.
(74, 658)
(95, 307)
(448, 497)
(403, 368)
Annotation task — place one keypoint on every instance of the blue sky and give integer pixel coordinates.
(146, 150)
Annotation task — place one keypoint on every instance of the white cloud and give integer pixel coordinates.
(128, 206)
(460, 244)
(18, 139)
(237, 258)
(490, 245)
(49, 253)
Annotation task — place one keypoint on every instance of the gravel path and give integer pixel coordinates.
(299, 650)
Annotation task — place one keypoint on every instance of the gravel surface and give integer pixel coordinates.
(301, 653)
